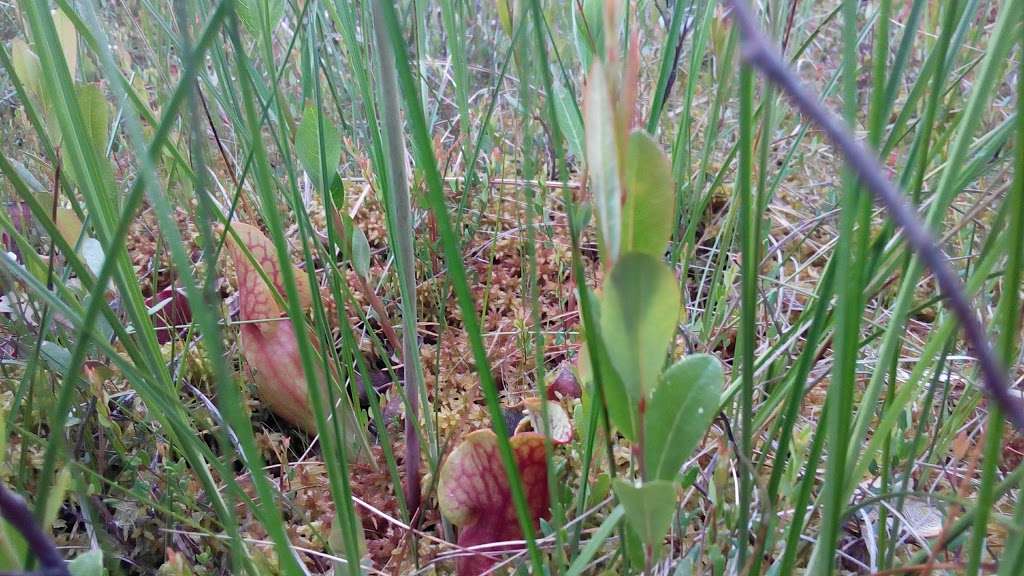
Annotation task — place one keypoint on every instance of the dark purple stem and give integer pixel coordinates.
(15, 511)
(758, 52)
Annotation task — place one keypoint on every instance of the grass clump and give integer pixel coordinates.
(581, 266)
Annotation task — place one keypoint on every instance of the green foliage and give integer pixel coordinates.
(570, 120)
(26, 66)
(621, 407)
(87, 564)
(588, 31)
(649, 507)
(67, 35)
(360, 251)
(95, 114)
(579, 564)
(680, 412)
(639, 310)
(650, 208)
(55, 356)
(55, 499)
(318, 146)
(12, 547)
(260, 15)
(603, 162)
(634, 195)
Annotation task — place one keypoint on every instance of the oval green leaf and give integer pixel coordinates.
(650, 209)
(649, 507)
(680, 411)
(256, 14)
(360, 252)
(622, 409)
(26, 66)
(67, 35)
(639, 311)
(307, 146)
(87, 564)
(95, 114)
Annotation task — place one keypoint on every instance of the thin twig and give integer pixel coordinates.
(494, 182)
(269, 544)
(758, 52)
(14, 509)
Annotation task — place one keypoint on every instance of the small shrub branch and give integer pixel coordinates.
(760, 54)
(15, 511)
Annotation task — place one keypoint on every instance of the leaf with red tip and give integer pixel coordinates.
(474, 494)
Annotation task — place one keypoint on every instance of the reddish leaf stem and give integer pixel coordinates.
(15, 511)
(759, 53)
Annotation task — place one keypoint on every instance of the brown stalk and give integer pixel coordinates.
(14, 510)
(759, 53)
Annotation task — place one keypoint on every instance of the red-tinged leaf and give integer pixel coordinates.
(257, 300)
(474, 494)
(564, 385)
(268, 339)
(272, 351)
(172, 310)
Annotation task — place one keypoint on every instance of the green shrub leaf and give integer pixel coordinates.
(622, 409)
(680, 411)
(360, 252)
(307, 146)
(68, 37)
(589, 27)
(603, 162)
(55, 356)
(253, 14)
(95, 114)
(650, 208)
(639, 311)
(26, 66)
(88, 564)
(569, 119)
(649, 507)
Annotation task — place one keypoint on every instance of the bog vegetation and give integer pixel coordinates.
(523, 286)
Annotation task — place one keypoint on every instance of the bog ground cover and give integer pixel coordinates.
(661, 287)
